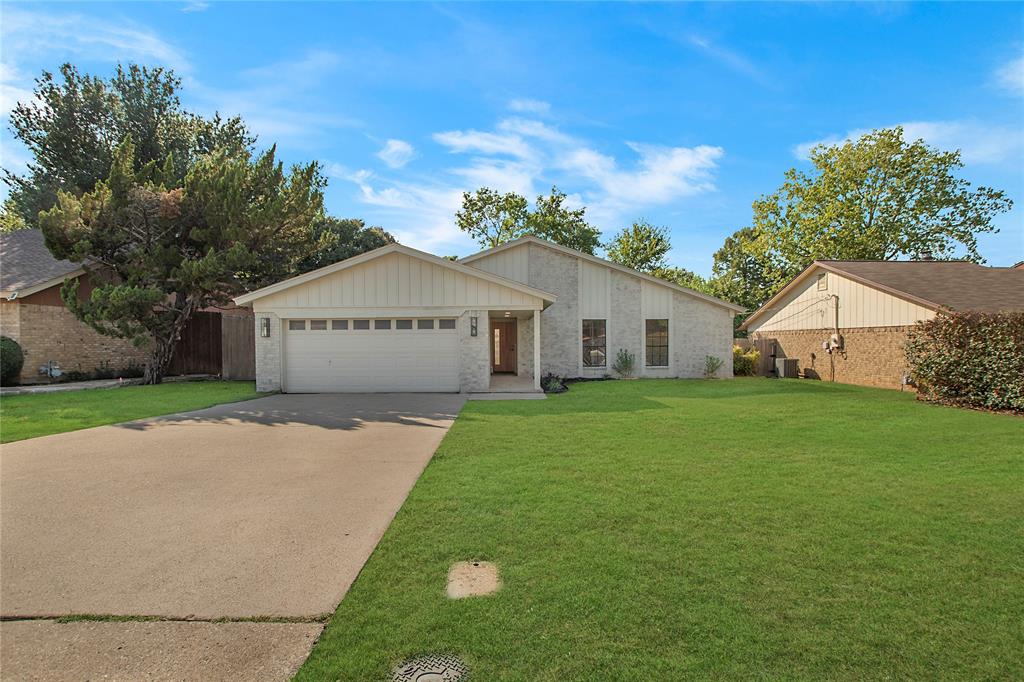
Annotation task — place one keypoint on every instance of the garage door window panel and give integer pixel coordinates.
(339, 325)
(424, 324)
(403, 324)
(318, 325)
(296, 325)
(446, 324)
(360, 325)
(382, 325)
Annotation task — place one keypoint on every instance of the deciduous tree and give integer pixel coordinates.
(878, 197)
(641, 246)
(341, 238)
(492, 218)
(551, 219)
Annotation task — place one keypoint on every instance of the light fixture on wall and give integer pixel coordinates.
(508, 314)
(265, 327)
(472, 326)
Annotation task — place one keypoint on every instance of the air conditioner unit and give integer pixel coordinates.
(787, 368)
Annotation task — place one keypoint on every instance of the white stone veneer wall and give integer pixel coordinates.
(268, 354)
(560, 338)
(701, 329)
(474, 353)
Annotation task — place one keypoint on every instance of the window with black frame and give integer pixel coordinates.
(657, 343)
(595, 345)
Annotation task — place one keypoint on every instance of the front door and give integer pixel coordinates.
(503, 345)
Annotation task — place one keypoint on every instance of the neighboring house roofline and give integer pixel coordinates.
(244, 299)
(14, 294)
(831, 266)
(528, 239)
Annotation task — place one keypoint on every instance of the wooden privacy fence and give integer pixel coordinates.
(218, 344)
(765, 347)
(238, 354)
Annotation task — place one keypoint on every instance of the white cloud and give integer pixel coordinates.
(14, 88)
(279, 101)
(527, 156)
(30, 32)
(462, 141)
(978, 143)
(1010, 76)
(195, 6)
(396, 153)
(529, 106)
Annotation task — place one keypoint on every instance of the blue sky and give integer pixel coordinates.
(682, 114)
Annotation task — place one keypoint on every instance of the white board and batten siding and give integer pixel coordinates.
(656, 304)
(393, 283)
(511, 264)
(809, 307)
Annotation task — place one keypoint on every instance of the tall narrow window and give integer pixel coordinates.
(595, 347)
(657, 343)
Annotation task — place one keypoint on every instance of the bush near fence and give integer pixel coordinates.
(970, 360)
(744, 361)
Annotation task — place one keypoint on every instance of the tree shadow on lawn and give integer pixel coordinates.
(328, 411)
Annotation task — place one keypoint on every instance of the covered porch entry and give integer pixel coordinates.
(514, 347)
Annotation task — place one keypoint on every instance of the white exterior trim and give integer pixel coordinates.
(383, 251)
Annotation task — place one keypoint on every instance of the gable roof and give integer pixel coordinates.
(530, 239)
(955, 285)
(548, 298)
(27, 266)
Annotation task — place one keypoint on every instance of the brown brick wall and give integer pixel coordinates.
(871, 356)
(48, 332)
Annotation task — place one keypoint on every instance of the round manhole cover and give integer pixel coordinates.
(435, 668)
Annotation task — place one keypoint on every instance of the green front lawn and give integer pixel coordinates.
(663, 530)
(41, 414)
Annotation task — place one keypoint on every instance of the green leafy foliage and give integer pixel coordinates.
(74, 123)
(879, 197)
(12, 359)
(970, 359)
(339, 238)
(641, 246)
(493, 218)
(744, 361)
(711, 366)
(625, 363)
(551, 219)
(237, 223)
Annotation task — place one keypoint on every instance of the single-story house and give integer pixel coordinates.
(848, 321)
(32, 313)
(398, 319)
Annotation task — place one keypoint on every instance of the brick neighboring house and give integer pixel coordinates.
(33, 314)
(871, 306)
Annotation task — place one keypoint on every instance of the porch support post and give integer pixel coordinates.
(536, 349)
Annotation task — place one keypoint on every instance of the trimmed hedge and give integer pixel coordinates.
(12, 359)
(970, 360)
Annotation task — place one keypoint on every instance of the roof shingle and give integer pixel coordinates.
(957, 285)
(25, 261)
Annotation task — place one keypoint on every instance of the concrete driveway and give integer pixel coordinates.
(265, 509)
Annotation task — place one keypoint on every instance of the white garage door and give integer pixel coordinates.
(375, 355)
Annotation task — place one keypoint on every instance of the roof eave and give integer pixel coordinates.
(527, 239)
(245, 299)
